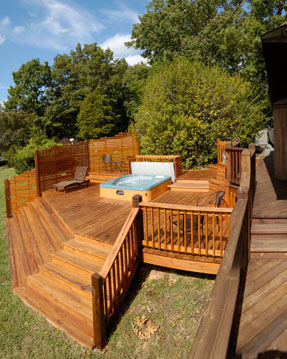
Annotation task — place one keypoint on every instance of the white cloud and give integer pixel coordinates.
(5, 22)
(135, 59)
(2, 39)
(19, 29)
(55, 24)
(117, 44)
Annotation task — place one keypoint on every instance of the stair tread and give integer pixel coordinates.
(69, 275)
(80, 260)
(269, 228)
(190, 184)
(89, 246)
(269, 245)
(61, 293)
(70, 322)
(54, 222)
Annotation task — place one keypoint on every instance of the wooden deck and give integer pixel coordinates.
(86, 214)
(271, 195)
(263, 323)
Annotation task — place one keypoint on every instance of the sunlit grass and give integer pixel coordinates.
(158, 319)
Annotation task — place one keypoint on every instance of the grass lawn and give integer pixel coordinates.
(158, 319)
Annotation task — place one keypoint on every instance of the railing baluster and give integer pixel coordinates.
(178, 230)
(213, 233)
(206, 234)
(165, 229)
(152, 228)
(191, 233)
(146, 226)
(198, 232)
(171, 229)
(158, 228)
(185, 231)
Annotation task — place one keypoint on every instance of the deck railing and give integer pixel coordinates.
(176, 159)
(218, 330)
(20, 190)
(111, 285)
(200, 231)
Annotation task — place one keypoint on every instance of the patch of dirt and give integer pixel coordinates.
(144, 328)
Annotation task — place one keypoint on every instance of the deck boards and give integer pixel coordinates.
(202, 174)
(263, 324)
(86, 214)
(269, 190)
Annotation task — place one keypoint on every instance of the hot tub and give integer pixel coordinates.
(125, 187)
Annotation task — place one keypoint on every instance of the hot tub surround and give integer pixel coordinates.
(125, 187)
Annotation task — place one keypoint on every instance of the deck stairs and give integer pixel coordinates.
(52, 267)
(218, 183)
(269, 238)
(189, 186)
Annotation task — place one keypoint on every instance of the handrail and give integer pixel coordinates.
(118, 243)
(186, 207)
(193, 230)
(110, 286)
(217, 333)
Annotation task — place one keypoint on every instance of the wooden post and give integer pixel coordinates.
(99, 321)
(139, 222)
(245, 161)
(228, 163)
(244, 193)
(7, 198)
(87, 154)
(38, 183)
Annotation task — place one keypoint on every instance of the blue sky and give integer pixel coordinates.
(44, 28)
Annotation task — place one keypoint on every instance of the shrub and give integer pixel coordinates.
(187, 106)
(23, 160)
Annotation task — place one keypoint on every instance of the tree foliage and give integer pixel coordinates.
(224, 32)
(187, 106)
(96, 116)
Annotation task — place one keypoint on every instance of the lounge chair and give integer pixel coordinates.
(79, 179)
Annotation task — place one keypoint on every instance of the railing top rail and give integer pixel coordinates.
(185, 207)
(158, 156)
(235, 149)
(118, 243)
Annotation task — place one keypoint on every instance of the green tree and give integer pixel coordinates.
(15, 129)
(222, 32)
(133, 83)
(187, 106)
(32, 90)
(96, 117)
(79, 74)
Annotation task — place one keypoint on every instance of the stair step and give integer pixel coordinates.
(80, 281)
(88, 246)
(269, 228)
(62, 293)
(75, 325)
(268, 245)
(33, 231)
(45, 228)
(55, 223)
(79, 261)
